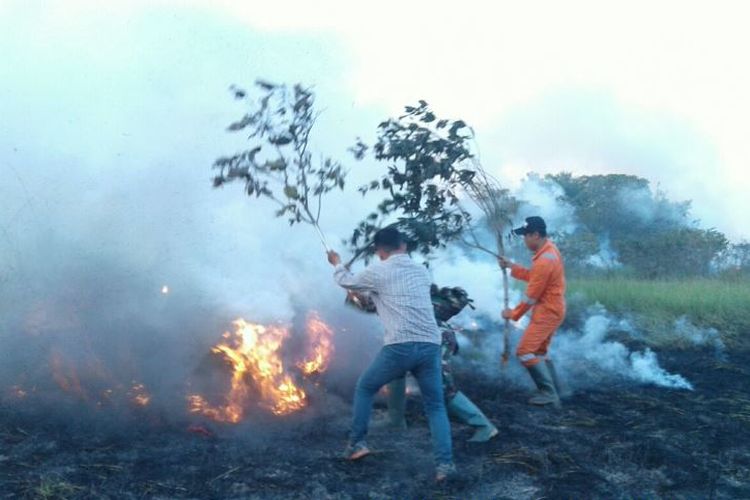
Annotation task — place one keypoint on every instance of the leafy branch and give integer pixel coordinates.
(425, 175)
(278, 165)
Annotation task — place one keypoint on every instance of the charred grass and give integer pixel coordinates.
(622, 441)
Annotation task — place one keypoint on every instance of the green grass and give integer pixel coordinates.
(716, 303)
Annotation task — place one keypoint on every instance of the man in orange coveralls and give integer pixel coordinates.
(545, 296)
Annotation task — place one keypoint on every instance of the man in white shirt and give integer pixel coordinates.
(400, 289)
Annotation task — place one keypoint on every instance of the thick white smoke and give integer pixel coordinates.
(589, 356)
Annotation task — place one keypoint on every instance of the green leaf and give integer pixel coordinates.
(291, 192)
(277, 164)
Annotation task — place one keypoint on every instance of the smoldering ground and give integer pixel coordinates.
(616, 440)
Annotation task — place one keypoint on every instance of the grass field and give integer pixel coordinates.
(723, 304)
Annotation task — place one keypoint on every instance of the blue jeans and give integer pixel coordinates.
(422, 359)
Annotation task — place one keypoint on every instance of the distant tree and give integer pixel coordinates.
(669, 253)
(578, 248)
(651, 235)
(735, 260)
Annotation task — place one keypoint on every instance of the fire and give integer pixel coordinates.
(66, 376)
(320, 337)
(138, 394)
(254, 353)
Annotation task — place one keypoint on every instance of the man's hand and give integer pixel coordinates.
(507, 314)
(333, 258)
(504, 262)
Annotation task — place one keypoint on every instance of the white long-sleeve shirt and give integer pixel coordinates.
(400, 289)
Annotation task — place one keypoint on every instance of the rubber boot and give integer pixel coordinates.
(555, 378)
(462, 408)
(543, 379)
(396, 406)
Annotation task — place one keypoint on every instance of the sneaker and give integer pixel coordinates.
(356, 451)
(444, 472)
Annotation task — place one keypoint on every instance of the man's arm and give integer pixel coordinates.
(366, 281)
(517, 271)
(538, 278)
(520, 273)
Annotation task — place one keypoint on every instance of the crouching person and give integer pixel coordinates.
(400, 290)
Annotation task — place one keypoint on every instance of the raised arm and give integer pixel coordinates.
(366, 281)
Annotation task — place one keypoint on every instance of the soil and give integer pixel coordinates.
(619, 441)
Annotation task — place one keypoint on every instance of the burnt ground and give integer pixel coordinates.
(618, 442)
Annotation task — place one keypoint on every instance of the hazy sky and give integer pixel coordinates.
(101, 98)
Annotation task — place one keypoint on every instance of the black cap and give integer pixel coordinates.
(533, 224)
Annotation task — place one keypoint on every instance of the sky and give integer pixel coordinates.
(656, 89)
(114, 112)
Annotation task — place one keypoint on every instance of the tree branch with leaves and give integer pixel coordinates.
(426, 159)
(278, 165)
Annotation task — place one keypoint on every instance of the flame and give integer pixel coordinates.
(138, 394)
(320, 337)
(253, 350)
(66, 376)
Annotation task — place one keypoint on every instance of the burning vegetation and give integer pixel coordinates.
(254, 354)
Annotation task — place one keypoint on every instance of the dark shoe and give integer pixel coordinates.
(356, 451)
(463, 409)
(543, 379)
(443, 472)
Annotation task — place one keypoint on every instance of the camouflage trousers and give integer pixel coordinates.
(449, 349)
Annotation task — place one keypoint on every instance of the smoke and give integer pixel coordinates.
(585, 359)
(686, 331)
(588, 356)
(606, 257)
(651, 207)
(542, 197)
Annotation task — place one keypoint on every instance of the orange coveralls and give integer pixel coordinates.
(546, 294)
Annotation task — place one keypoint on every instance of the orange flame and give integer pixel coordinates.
(66, 376)
(138, 394)
(253, 351)
(320, 337)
